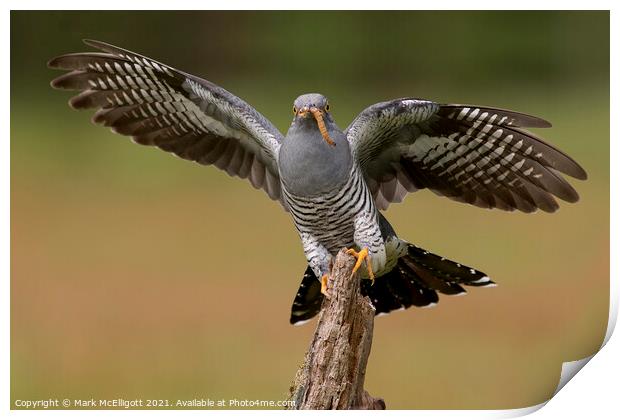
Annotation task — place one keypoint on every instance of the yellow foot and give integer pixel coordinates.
(324, 285)
(361, 256)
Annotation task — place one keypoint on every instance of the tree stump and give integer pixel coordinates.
(334, 368)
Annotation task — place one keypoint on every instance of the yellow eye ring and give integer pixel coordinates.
(326, 107)
(294, 110)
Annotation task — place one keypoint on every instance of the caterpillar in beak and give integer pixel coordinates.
(318, 116)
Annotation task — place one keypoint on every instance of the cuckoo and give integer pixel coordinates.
(333, 182)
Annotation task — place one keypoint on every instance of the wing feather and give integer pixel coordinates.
(476, 155)
(160, 106)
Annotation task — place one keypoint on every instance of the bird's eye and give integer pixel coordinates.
(326, 107)
(294, 110)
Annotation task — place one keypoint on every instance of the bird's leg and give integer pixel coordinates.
(361, 256)
(324, 285)
(319, 259)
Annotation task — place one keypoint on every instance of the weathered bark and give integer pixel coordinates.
(332, 376)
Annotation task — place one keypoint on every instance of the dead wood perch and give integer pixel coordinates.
(332, 376)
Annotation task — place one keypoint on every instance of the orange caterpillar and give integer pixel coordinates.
(318, 116)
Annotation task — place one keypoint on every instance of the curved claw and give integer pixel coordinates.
(324, 285)
(362, 256)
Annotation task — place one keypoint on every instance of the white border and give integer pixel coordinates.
(311, 5)
(594, 394)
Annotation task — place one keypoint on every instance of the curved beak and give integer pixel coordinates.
(318, 116)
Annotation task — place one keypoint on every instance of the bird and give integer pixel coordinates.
(335, 183)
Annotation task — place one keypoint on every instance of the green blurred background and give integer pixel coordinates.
(139, 275)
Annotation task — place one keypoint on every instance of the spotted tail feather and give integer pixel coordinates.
(415, 280)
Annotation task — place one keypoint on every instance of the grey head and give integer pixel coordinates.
(315, 157)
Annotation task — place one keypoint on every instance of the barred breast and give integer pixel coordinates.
(330, 217)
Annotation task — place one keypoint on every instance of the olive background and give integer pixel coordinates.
(135, 274)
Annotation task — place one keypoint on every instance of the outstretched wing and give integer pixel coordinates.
(471, 154)
(160, 106)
